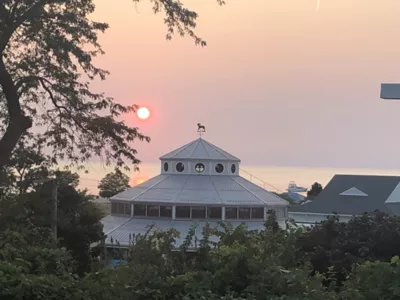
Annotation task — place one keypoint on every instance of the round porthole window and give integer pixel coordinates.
(233, 169)
(219, 168)
(166, 167)
(180, 167)
(199, 168)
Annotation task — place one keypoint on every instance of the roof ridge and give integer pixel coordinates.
(223, 152)
(150, 187)
(179, 150)
(256, 195)
(199, 149)
(195, 147)
(367, 175)
(251, 192)
(204, 141)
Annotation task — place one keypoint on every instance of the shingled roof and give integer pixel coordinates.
(355, 195)
(199, 149)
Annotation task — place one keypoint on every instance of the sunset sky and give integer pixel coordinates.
(279, 83)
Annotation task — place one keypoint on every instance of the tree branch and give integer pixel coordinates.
(3, 12)
(10, 28)
(53, 100)
(18, 123)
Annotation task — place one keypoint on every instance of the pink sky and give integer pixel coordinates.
(278, 84)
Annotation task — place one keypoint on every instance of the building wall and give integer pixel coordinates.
(311, 218)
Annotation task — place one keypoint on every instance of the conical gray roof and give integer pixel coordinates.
(200, 149)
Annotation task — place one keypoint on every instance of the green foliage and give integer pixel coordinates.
(32, 266)
(373, 280)
(243, 264)
(240, 264)
(315, 190)
(66, 178)
(333, 247)
(78, 221)
(28, 164)
(113, 183)
(29, 167)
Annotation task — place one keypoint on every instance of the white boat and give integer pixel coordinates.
(293, 188)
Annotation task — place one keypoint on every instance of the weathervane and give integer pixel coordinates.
(201, 129)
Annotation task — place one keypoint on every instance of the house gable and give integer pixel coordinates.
(354, 192)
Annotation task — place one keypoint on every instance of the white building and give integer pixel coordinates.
(199, 183)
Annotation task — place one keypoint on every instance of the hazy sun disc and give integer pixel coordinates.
(143, 113)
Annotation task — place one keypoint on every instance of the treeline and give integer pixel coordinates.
(331, 260)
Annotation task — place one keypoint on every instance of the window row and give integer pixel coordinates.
(244, 213)
(199, 167)
(189, 212)
(121, 208)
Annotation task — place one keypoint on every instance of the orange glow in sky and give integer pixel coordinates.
(139, 180)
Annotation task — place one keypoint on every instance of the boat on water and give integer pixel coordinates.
(293, 188)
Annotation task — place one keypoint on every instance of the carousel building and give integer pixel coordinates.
(199, 183)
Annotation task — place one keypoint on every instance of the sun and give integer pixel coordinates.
(143, 113)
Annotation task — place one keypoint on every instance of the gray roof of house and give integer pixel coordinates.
(377, 188)
(201, 190)
(119, 228)
(199, 149)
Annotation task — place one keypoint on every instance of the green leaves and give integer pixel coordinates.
(113, 183)
(242, 264)
(395, 260)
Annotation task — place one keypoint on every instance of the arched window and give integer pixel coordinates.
(165, 167)
(233, 168)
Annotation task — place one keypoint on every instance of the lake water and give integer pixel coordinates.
(273, 178)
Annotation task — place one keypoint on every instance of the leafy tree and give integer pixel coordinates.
(333, 247)
(373, 280)
(28, 164)
(113, 183)
(66, 178)
(32, 266)
(78, 221)
(316, 189)
(7, 179)
(46, 66)
(243, 264)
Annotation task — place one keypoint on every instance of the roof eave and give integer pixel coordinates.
(199, 158)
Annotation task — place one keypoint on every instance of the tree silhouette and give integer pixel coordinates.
(315, 190)
(113, 183)
(46, 67)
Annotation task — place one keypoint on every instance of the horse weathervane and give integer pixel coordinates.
(201, 129)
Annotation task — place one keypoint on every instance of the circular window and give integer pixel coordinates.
(180, 167)
(219, 168)
(166, 167)
(233, 168)
(199, 168)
